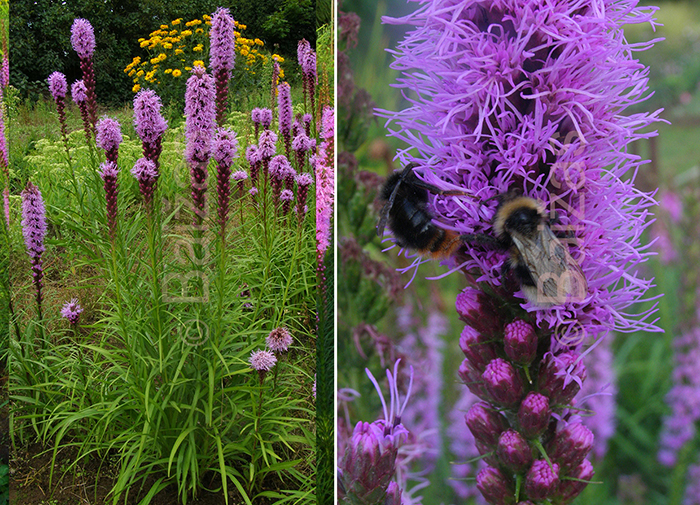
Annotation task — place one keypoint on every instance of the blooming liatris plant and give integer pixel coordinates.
(279, 340)
(368, 461)
(58, 86)
(149, 124)
(109, 173)
(303, 183)
(262, 361)
(324, 183)
(71, 311)
(267, 150)
(83, 41)
(286, 114)
(109, 136)
(145, 172)
(34, 231)
(224, 151)
(529, 98)
(222, 57)
(79, 94)
(200, 114)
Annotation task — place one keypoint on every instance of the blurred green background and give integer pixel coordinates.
(630, 472)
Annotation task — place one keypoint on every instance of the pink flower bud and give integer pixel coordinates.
(520, 342)
(533, 414)
(542, 481)
(503, 382)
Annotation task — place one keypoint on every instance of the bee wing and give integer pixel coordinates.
(557, 275)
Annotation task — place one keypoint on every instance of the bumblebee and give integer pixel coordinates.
(406, 212)
(540, 262)
(547, 273)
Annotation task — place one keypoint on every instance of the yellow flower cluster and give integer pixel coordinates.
(173, 51)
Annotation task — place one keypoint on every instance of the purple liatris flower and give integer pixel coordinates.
(34, 231)
(240, 177)
(83, 42)
(262, 361)
(200, 114)
(149, 124)
(82, 38)
(303, 181)
(679, 427)
(324, 183)
(79, 94)
(367, 464)
(109, 136)
(542, 480)
(286, 114)
(58, 86)
(109, 173)
(224, 150)
(279, 165)
(222, 57)
(256, 117)
(267, 149)
(279, 340)
(252, 154)
(301, 145)
(265, 117)
(71, 310)
(286, 197)
(145, 172)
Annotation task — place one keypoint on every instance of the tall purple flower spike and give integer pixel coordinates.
(149, 123)
(83, 42)
(109, 173)
(79, 93)
(58, 86)
(109, 136)
(224, 151)
(286, 114)
(34, 231)
(222, 57)
(530, 97)
(200, 115)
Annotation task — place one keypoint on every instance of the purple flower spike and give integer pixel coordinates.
(71, 310)
(149, 123)
(262, 361)
(252, 154)
(286, 197)
(265, 118)
(82, 38)
(267, 149)
(303, 181)
(109, 136)
(286, 114)
(83, 41)
(34, 231)
(324, 183)
(495, 486)
(222, 57)
(109, 174)
(79, 92)
(240, 177)
(534, 414)
(279, 340)
(542, 481)
(224, 151)
(58, 85)
(145, 172)
(503, 383)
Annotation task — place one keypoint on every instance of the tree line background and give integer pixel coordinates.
(40, 35)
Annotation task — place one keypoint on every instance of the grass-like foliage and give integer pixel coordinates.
(155, 379)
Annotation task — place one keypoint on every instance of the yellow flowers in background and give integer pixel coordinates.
(181, 49)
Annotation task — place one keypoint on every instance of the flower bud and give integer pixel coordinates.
(534, 414)
(476, 348)
(570, 489)
(520, 342)
(479, 311)
(514, 451)
(485, 423)
(495, 486)
(542, 481)
(393, 494)
(570, 445)
(368, 463)
(472, 379)
(560, 377)
(503, 383)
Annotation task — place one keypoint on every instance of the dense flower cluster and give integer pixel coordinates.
(149, 124)
(222, 57)
(279, 339)
(34, 231)
(71, 310)
(109, 136)
(323, 164)
(83, 41)
(109, 173)
(224, 151)
(527, 97)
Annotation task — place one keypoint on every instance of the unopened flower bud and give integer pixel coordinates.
(560, 377)
(570, 489)
(485, 423)
(393, 494)
(514, 451)
(534, 414)
(479, 311)
(570, 445)
(476, 348)
(497, 488)
(542, 480)
(503, 383)
(520, 342)
(472, 379)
